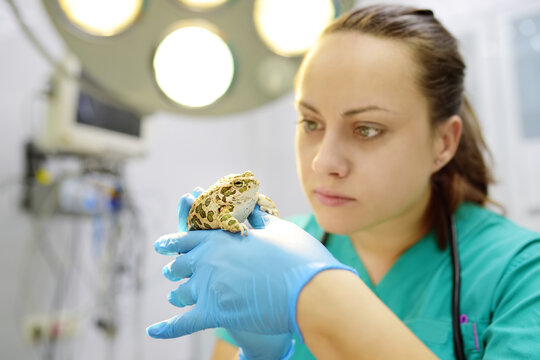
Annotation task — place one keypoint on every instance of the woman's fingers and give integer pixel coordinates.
(258, 219)
(180, 268)
(179, 243)
(188, 323)
(184, 295)
(184, 205)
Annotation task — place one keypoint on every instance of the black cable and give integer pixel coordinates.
(456, 293)
(62, 286)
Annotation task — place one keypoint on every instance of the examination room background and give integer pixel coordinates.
(185, 152)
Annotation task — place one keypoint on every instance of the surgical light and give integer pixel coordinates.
(193, 66)
(203, 4)
(290, 27)
(151, 66)
(102, 17)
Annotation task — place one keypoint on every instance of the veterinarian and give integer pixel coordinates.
(401, 258)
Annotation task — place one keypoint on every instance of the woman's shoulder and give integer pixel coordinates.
(481, 226)
(491, 245)
(500, 281)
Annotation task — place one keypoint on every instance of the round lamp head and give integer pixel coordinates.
(193, 66)
(101, 17)
(291, 27)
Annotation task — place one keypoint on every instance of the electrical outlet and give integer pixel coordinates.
(45, 327)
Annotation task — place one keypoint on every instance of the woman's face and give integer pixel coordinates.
(365, 149)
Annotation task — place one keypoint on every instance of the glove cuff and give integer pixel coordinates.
(293, 300)
(287, 356)
(289, 352)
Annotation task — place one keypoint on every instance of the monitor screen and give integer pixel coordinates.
(84, 123)
(91, 111)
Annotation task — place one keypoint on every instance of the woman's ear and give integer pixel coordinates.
(446, 142)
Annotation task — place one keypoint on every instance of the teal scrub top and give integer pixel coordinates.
(500, 292)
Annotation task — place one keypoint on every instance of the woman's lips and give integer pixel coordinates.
(331, 198)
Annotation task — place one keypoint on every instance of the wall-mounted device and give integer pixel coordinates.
(81, 123)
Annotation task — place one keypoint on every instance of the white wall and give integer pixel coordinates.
(186, 152)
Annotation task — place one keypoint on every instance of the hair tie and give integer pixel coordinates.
(423, 12)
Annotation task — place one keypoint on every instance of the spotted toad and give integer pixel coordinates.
(227, 204)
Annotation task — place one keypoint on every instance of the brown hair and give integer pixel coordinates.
(441, 75)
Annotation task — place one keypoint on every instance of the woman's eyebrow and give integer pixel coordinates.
(364, 109)
(347, 113)
(307, 106)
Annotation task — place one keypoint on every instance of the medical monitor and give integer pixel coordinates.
(81, 123)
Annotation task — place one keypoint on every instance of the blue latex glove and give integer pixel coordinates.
(252, 346)
(248, 284)
(263, 347)
(184, 205)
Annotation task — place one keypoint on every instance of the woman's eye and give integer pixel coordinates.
(309, 125)
(367, 132)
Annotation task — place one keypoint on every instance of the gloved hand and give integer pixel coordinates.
(248, 284)
(184, 205)
(252, 346)
(263, 347)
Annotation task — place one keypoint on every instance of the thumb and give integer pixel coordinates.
(188, 323)
(258, 219)
(184, 205)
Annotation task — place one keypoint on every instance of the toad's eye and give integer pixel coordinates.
(367, 132)
(238, 183)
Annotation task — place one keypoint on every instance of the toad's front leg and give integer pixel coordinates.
(230, 223)
(267, 205)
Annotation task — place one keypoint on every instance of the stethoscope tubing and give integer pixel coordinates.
(456, 291)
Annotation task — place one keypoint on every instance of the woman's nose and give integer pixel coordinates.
(331, 158)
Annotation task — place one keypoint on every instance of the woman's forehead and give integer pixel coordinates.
(353, 67)
(354, 54)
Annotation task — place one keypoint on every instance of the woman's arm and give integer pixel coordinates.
(358, 325)
(340, 318)
(224, 351)
(260, 281)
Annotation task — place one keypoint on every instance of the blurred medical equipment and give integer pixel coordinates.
(86, 229)
(88, 123)
(207, 57)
